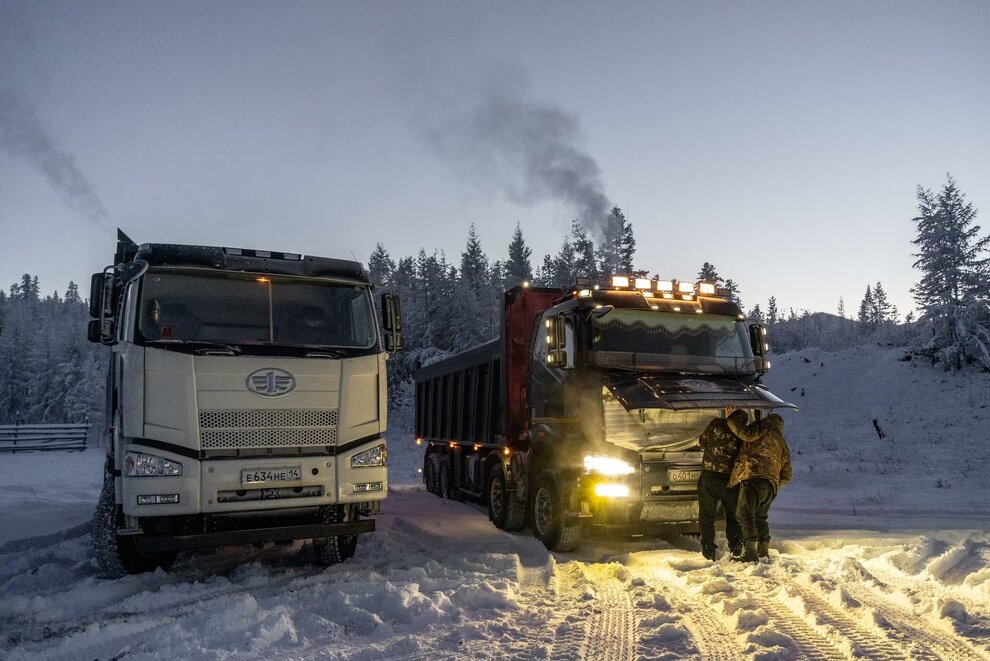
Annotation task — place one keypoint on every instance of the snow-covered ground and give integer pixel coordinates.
(881, 550)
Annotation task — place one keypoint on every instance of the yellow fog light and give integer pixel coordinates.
(606, 490)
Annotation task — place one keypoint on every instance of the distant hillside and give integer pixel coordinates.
(935, 450)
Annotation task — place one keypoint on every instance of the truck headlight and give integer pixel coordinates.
(607, 465)
(137, 464)
(376, 456)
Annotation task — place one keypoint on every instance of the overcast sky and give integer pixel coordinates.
(780, 141)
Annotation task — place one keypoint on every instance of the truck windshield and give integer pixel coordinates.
(698, 344)
(246, 309)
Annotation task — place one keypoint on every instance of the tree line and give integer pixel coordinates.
(50, 373)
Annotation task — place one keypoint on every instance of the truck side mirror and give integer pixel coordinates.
(557, 341)
(93, 331)
(95, 295)
(392, 322)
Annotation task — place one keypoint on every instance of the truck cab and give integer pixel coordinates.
(622, 383)
(246, 401)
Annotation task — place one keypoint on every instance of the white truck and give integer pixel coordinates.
(245, 402)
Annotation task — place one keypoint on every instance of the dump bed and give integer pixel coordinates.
(479, 396)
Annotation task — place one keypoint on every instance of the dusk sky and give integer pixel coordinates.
(781, 141)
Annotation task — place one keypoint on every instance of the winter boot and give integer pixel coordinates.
(736, 551)
(763, 549)
(710, 553)
(749, 552)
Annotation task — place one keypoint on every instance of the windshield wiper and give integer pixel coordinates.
(203, 346)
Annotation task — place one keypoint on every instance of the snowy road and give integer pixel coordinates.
(438, 581)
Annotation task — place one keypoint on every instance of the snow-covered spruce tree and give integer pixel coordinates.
(954, 288)
(709, 273)
(756, 314)
(773, 316)
(618, 246)
(380, 267)
(585, 265)
(564, 266)
(518, 268)
(865, 315)
(733, 287)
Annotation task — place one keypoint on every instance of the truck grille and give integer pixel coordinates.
(233, 429)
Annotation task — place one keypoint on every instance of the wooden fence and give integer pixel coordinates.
(20, 438)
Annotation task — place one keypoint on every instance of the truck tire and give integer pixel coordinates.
(547, 516)
(504, 510)
(443, 478)
(430, 477)
(118, 555)
(336, 549)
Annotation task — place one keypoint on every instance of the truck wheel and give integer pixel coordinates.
(118, 555)
(443, 480)
(548, 517)
(504, 510)
(430, 474)
(336, 549)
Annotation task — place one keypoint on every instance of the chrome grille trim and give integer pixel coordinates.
(254, 418)
(266, 438)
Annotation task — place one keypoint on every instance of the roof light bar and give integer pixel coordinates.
(644, 283)
(685, 288)
(665, 285)
(705, 288)
(620, 281)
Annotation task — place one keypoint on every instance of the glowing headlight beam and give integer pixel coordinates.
(607, 465)
(611, 490)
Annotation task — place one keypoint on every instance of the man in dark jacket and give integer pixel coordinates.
(762, 467)
(721, 447)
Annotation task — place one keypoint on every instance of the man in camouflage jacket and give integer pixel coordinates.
(721, 447)
(762, 467)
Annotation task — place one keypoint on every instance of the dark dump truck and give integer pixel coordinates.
(586, 412)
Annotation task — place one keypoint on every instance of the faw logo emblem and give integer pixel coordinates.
(271, 382)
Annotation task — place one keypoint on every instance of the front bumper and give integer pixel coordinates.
(213, 486)
(153, 543)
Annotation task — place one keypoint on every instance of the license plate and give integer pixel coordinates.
(681, 475)
(265, 475)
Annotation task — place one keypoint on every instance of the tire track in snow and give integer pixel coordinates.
(923, 641)
(863, 641)
(710, 635)
(158, 617)
(810, 643)
(610, 634)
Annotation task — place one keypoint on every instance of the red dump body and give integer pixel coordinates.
(522, 307)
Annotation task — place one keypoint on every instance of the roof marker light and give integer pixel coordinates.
(668, 296)
(584, 293)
